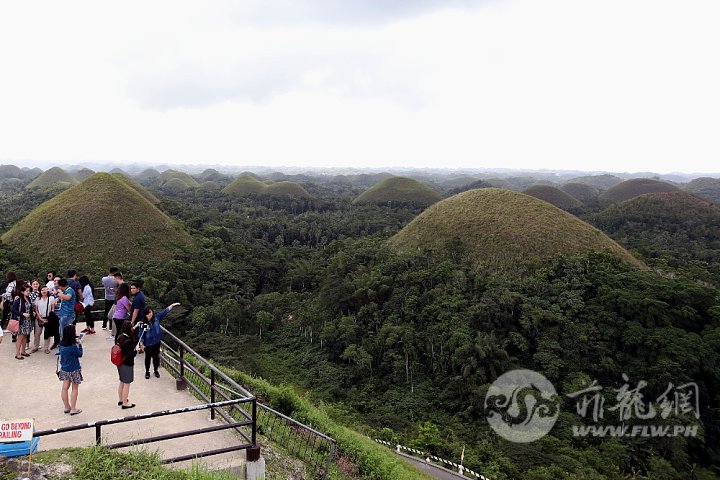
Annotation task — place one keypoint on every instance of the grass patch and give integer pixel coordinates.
(98, 463)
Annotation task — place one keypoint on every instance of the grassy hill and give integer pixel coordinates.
(175, 185)
(55, 176)
(503, 230)
(147, 174)
(581, 191)
(168, 175)
(11, 171)
(400, 190)
(245, 184)
(137, 187)
(120, 226)
(706, 187)
(601, 182)
(83, 173)
(553, 195)
(636, 187)
(286, 189)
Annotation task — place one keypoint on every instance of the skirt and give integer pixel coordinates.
(26, 325)
(74, 377)
(126, 373)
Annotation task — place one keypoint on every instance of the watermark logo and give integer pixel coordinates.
(522, 406)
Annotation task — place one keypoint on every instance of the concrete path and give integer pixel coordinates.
(30, 389)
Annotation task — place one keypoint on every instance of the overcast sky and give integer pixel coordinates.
(562, 84)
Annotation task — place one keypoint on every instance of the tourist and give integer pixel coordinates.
(67, 305)
(122, 307)
(45, 319)
(70, 373)
(126, 372)
(151, 339)
(87, 302)
(22, 310)
(50, 282)
(138, 304)
(110, 285)
(8, 296)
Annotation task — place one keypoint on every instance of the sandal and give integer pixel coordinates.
(25, 354)
(128, 406)
(47, 351)
(66, 410)
(75, 412)
(19, 358)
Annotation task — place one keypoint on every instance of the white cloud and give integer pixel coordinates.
(519, 83)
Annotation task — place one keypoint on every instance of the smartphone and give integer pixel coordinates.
(79, 337)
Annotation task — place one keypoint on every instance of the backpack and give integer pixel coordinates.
(116, 356)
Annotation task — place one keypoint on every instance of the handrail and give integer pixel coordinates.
(209, 365)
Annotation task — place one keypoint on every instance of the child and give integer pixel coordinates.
(70, 373)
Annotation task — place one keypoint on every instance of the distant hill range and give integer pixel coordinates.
(400, 190)
(501, 230)
(636, 187)
(54, 177)
(99, 222)
(554, 196)
(247, 184)
(601, 182)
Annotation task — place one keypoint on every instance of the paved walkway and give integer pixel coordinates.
(30, 389)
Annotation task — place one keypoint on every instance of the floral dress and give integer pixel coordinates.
(21, 306)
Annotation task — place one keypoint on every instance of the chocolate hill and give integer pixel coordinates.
(503, 230)
(120, 225)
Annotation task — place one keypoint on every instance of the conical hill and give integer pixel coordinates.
(54, 176)
(245, 184)
(400, 190)
(636, 187)
(168, 175)
(99, 222)
(553, 195)
(503, 230)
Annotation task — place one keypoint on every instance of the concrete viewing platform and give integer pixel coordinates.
(30, 389)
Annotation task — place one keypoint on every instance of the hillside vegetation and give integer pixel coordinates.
(553, 196)
(400, 190)
(706, 187)
(601, 182)
(120, 225)
(675, 231)
(636, 187)
(55, 176)
(503, 230)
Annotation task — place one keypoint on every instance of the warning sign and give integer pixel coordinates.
(19, 430)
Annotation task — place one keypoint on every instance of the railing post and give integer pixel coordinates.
(212, 393)
(254, 421)
(180, 382)
(98, 435)
(329, 459)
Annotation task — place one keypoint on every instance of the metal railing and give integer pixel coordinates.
(209, 383)
(97, 425)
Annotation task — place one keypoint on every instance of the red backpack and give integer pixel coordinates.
(116, 356)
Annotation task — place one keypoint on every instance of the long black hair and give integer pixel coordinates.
(84, 280)
(69, 336)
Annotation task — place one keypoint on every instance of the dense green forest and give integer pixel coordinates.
(403, 347)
